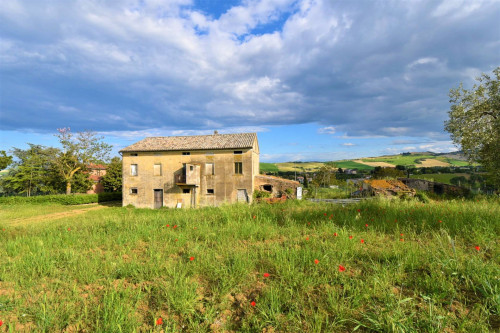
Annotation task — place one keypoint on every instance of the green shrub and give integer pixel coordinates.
(258, 194)
(422, 197)
(63, 199)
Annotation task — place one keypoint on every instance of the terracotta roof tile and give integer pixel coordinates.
(195, 142)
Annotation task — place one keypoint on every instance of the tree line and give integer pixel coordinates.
(40, 170)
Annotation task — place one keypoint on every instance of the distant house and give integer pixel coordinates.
(96, 171)
(190, 171)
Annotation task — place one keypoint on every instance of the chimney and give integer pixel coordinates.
(216, 132)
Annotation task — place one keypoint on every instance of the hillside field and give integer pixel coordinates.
(385, 266)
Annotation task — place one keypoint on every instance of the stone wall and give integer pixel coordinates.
(434, 187)
(276, 186)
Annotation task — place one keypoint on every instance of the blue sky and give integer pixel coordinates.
(317, 80)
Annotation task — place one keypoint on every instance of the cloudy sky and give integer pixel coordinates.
(317, 80)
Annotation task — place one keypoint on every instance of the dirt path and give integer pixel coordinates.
(52, 216)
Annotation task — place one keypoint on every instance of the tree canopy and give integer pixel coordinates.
(5, 160)
(474, 122)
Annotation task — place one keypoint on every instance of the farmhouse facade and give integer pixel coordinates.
(190, 171)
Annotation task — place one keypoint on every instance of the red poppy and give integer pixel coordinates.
(69, 229)
(401, 240)
(168, 225)
(325, 214)
(440, 221)
(362, 241)
(359, 210)
(477, 248)
(176, 239)
(401, 234)
(252, 303)
(335, 234)
(308, 223)
(266, 275)
(191, 258)
(341, 268)
(175, 226)
(350, 237)
(254, 217)
(1, 323)
(366, 225)
(307, 238)
(316, 261)
(159, 321)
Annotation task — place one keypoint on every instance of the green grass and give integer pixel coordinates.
(440, 177)
(268, 167)
(299, 167)
(120, 269)
(353, 165)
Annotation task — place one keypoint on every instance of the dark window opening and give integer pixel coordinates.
(186, 153)
(133, 191)
(186, 191)
(210, 191)
(238, 168)
(238, 152)
(268, 188)
(191, 168)
(133, 154)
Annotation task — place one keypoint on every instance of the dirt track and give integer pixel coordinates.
(53, 216)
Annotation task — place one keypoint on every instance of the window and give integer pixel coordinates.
(210, 191)
(133, 154)
(157, 169)
(186, 153)
(238, 168)
(238, 152)
(185, 190)
(133, 190)
(209, 169)
(191, 168)
(133, 169)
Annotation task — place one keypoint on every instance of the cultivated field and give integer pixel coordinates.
(385, 266)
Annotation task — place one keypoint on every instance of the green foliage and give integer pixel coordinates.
(258, 194)
(5, 160)
(325, 176)
(386, 172)
(120, 269)
(79, 151)
(112, 180)
(74, 199)
(422, 197)
(474, 122)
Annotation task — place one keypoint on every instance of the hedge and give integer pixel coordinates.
(63, 199)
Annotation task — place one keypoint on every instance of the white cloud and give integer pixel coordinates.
(327, 130)
(348, 144)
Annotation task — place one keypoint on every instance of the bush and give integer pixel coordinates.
(63, 199)
(422, 197)
(258, 194)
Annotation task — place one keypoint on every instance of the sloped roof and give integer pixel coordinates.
(195, 142)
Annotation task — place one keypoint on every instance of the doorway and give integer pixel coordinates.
(158, 199)
(242, 196)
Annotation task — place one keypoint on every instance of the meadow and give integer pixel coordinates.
(381, 266)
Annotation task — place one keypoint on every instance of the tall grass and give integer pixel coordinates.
(120, 269)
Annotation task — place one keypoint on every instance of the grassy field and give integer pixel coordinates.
(268, 167)
(299, 167)
(384, 266)
(440, 177)
(353, 165)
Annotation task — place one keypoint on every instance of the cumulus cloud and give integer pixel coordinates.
(359, 68)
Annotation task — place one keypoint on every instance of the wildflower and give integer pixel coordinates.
(159, 321)
(191, 258)
(175, 226)
(307, 238)
(1, 323)
(401, 234)
(316, 261)
(359, 210)
(325, 214)
(266, 275)
(341, 268)
(401, 240)
(252, 303)
(168, 225)
(254, 217)
(69, 229)
(477, 248)
(335, 234)
(366, 225)
(350, 237)
(176, 239)
(362, 241)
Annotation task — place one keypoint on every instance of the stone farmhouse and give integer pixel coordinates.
(190, 171)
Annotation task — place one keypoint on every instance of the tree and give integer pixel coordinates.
(474, 122)
(78, 152)
(5, 160)
(112, 180)
(31, 173)
(325, 176)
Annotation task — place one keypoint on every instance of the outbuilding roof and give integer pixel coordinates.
(194, 142)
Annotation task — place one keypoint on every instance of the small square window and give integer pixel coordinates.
(238, 152)
(157, 170)
(133, 154)
(133, 191)
(186, 191)
(210, 191)
(186, 153)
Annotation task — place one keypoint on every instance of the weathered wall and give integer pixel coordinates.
(224, 181)
(279, 185)
(435, 187)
